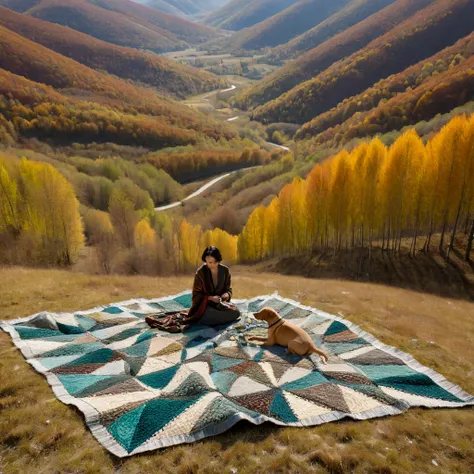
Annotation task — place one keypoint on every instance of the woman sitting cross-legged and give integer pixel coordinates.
(212, 292)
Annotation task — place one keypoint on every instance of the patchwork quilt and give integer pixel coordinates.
(141, 389)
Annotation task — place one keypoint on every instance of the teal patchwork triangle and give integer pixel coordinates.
(84, 322)
(222, 363)
(335, 328)
(101, 356)
(78, 382)
(159, 379)
(224, 380)
(157, 414)
(67, 329)
(124, 427)
(185, 300)
(72, 349)
(35, 333)
(310, 380)
(137, 350)
(280, 409)
(112, 310)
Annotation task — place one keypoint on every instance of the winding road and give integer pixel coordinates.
(215, 180)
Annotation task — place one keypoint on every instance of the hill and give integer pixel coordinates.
(433, 86)
(420, 324)
(427, 32)
(127, 63)
(282, 27)
(116, 111)
(348, 16)
(239, 14)
(318, 59)
(162, 6)
(120, 22)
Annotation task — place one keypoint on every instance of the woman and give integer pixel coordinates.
(212, 292)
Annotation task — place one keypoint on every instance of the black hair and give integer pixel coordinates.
(212, 252)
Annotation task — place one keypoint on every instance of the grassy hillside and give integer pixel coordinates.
(239, 14)
(353, 13)
(438, 332)
(282, 27)
(161, 6)
(340, 46)
(419, 37)
(127, 63)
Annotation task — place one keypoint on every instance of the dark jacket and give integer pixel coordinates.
(203, 287)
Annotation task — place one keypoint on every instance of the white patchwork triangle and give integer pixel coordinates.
(417, 400)
(338, 368)
(39, 347)
(153, 364)
(113, 330)
(180, 376)
(245, 386)
(320, 329)
(158, 343)
(303, 408)
(357, 402)
(267, 368)
(356, 352)
(65, 318)
(116, 367)
(293, 374)
(183, 424)
(172, 358)
(116, 346)
(202, 368)
(109, 402)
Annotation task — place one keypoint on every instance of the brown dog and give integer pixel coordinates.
(285, 334)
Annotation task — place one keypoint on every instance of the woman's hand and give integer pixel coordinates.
(225, 297)
(214, 299)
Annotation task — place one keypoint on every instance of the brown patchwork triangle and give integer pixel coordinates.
(251, 370)
(328, 395)
(259, 402)
(77, 369)
(173, 347)
(349, 377)
(234, 352)
(344, 336)
(108, 417)
(376, 357)
(128, 386)
(279, 369)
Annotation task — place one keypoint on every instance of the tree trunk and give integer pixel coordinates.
(469, 243)
(453, 235)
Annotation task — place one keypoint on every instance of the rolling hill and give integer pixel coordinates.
(284, 26)
(239, 14)
(127, 63)
(318, 59)
(82, 104)
(348, 16)
(425, 33)
(121, 22)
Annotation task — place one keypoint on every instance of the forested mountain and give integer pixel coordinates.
(425, 33)
(147, 68)
(286, 25)
(340, 46)
(351, 14)
(431, 88)
(86, 105)
(239, 14)
(121, 22)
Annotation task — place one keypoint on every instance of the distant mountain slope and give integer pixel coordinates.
(318, 59)
(162, 6)
(351, 14)
(239, 14)
(434, 85)
(427, 32)
(120, 22)
(289, 23)
(148, 68)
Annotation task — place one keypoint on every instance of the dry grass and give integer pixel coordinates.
(39, 434)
